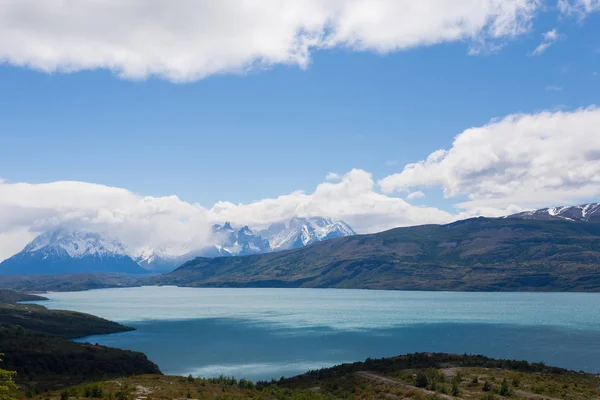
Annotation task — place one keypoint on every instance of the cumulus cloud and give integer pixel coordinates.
(519, 161)
(169, 224)
(190, 39)
(549, 38)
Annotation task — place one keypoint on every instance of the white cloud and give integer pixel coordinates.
(176, 226)
(333, 177)
(415, 195)
(553, 88)
(549, 38)
(520, 161)
(578, 7)
(517, 162)
(190, 39)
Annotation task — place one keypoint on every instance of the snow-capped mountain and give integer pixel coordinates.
(582, 212)
(236, 242)
(155, 260)
(64, 251)
(300, 232)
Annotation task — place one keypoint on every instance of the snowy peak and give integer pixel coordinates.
(75, 244)
(299, 232)
(583, 213)
(232, 242)
(63, 251)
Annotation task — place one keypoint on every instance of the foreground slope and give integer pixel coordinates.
(476, 254)
(413, 376)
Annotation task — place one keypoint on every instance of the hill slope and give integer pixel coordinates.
(477, 254)
(412, 376)
(35, 342)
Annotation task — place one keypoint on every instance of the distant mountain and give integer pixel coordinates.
(236, 242)
(300, 232)
(157, 261)
(584, 212)
(64, 251)
(479, 254)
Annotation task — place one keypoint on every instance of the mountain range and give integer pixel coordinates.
(546, 250)
(64, 251)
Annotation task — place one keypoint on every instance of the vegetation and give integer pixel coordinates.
(67, 282)
(443, 376)
(479, 254)
(8, 388)
(12, 297)
(36, 346)
(67, 324)
(44, 361)
(448, 376)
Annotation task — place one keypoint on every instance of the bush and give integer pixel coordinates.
(455, 389)
(504, 389)
(487, 387)
(421, 380)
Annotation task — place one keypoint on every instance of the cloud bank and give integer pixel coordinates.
(175, 226)
(517, 162)
(190, 39)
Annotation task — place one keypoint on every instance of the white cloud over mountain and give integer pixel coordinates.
(190, 39)
(517, 162)
(177, 226)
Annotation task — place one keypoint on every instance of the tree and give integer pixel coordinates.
(8, 388)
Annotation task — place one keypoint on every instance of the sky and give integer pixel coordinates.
(151, 120)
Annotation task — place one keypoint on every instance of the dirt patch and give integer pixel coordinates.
(388, 381)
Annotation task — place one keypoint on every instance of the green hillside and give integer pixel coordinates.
(480, 254)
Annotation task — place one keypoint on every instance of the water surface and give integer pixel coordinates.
(268, 333)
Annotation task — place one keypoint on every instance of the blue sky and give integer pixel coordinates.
(244, 131)
(243, 137)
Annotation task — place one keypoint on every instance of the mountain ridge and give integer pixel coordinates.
(478, 254)
(62, 251)
(65, 251)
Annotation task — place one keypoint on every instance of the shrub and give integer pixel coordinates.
(504, 389)
(487, 387)
(455, 389)
(421, 380)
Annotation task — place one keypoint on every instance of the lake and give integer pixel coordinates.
(268, 333)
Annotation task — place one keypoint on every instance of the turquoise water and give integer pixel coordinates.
(268, 333)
